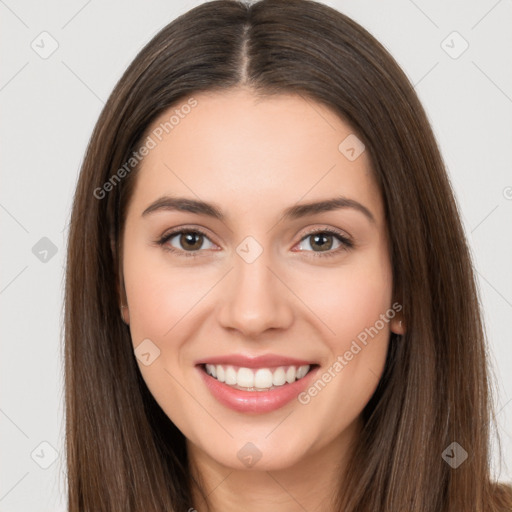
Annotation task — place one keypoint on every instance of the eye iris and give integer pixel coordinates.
(191, 240)
(324, 246)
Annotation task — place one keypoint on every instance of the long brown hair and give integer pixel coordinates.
(123, 452)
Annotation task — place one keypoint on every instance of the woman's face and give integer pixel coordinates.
(264, 286)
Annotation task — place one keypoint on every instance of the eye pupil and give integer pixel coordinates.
(324, 246)
(188, 238)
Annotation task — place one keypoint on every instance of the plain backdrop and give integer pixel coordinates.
(60, 61)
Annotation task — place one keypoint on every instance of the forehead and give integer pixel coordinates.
(236, 148)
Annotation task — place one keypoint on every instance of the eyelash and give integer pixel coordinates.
(346, 243)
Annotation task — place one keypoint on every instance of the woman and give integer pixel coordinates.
(269, 298)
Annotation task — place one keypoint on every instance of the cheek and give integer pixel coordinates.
(160, 295)
(352, 302)
(357, 354)
(162, 304)
(349, 299)
(358, 308)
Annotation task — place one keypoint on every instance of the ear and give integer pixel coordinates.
(397, 324)
(120, 289)
(125, 314)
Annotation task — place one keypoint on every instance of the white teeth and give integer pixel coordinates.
(256, 379)
(245, 377)
(290, 374)
(230, 376)
(301, 372)
(220, 373)
(210, 369)
(279, 377)
(263, 378)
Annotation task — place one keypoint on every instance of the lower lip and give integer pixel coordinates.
(255, 401)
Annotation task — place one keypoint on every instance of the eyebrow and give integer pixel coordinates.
(168, 203)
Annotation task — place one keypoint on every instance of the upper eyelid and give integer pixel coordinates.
(170, 234)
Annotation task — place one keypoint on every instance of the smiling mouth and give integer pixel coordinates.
(257, 379)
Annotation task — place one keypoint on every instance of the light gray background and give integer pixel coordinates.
(49, 107)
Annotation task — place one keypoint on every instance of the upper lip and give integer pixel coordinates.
(264, 361)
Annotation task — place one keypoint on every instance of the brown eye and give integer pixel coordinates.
(321, 240)
(191, 241)
(325, 241)
(185, 241)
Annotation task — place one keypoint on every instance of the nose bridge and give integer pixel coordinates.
(255, 300)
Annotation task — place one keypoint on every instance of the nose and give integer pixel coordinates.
(254, 298)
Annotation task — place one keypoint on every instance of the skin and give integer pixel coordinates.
(254, 158)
